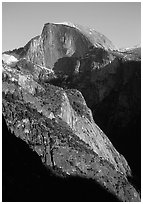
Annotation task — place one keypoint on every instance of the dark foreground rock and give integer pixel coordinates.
(43, 104)
(26, 179)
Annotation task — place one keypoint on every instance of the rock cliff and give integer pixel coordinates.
(48, 86)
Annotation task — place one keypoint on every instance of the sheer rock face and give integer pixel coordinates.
(59, 40)
(55, 42)
(55, 121)
(85, 128)
(64, 136)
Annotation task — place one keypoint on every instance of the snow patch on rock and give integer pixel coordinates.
(9, 59)
(67, 23)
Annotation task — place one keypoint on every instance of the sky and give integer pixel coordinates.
(118, 21)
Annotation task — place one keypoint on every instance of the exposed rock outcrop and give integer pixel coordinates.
(47, 86)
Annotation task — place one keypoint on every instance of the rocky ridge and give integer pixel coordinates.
(43, 107)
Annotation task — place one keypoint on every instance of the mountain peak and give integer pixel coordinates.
(58, 87)
(63, 23)
(66, 39)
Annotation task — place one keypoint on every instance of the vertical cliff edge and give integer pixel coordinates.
(60, 89)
